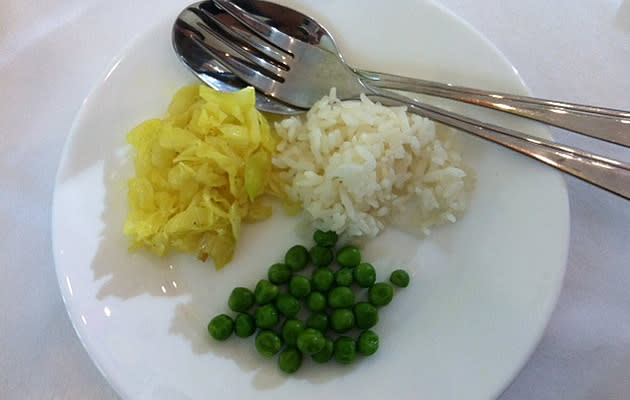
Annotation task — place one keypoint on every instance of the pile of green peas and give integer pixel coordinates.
(328, 299)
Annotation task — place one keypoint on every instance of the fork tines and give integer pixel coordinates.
(281, 41)
(234, 45)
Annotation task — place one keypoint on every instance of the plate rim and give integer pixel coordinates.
(124, 52)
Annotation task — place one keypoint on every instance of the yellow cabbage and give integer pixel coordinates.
(200, 173)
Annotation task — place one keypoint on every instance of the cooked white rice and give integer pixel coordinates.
(356, 166)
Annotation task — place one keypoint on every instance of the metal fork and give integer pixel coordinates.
(300, 73)
(315, 55)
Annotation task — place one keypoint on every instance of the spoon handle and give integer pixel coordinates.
(608, 174)
(598, 122)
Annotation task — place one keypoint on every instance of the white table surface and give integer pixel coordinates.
(52, 53)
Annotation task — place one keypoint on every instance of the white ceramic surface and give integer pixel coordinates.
(482, 290)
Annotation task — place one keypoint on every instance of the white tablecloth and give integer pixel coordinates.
(52, 53)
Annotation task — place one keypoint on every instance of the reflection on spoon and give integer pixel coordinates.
(213, 74)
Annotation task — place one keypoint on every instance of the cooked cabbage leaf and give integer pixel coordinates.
(200, 173)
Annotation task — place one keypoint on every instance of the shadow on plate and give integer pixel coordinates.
(190, 283)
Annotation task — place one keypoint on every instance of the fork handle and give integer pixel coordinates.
(611, 175)
(598, 122)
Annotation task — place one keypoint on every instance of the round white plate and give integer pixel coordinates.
(482, 289)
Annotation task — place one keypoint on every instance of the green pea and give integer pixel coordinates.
(299, 286)
(291, 330)
(365, 275)
(321, 256)
(345, 350)
(290, 360)
(349, 256)
(265, 292)
(342, 320)
(380, 294)
(244, 325)
(241, 299)
(344, 277)
(319, 321)
(322, 279)
(279, 273)
(311, 341)
(221, 326)
(316, 301)
(268, 343)
(367, 343)
(365, 315)
(325, 239)
(296, 258)
(400, 278)
(341, 297)
(288, 305)
(266, 316)
(326, 353)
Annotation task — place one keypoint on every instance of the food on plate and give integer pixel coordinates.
(221, 326)
(367, 343)
(290, 360)
(400, 278)
(316, 301)
(325, 239)
(299, 286)
(321, 256)
(356, 166)
(341, 297)
(201, 172)
(322, 278)
(344, 276)
(296, 257)
(291, 330)
(365, 275)
(311, 341)
(365, 315)
(265, 292)
(288, 305)
(297, 316)
(319, 321)
(353, 166)
(279, 273)
(266, 316)
(241, 299)
(268, 343)
(342, 320)
(380, 294)
(349, 257)
(326, 353)
(244, 325)
(345, 350)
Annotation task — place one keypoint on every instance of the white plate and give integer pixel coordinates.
(482, 290)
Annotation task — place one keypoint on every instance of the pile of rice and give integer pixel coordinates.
(357, 166)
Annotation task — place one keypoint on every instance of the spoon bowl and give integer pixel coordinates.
(294, 61)
(292, 58)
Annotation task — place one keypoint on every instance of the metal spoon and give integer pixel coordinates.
(291, 57)
(221, 44)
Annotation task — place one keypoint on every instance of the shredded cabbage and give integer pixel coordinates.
(200, 173)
